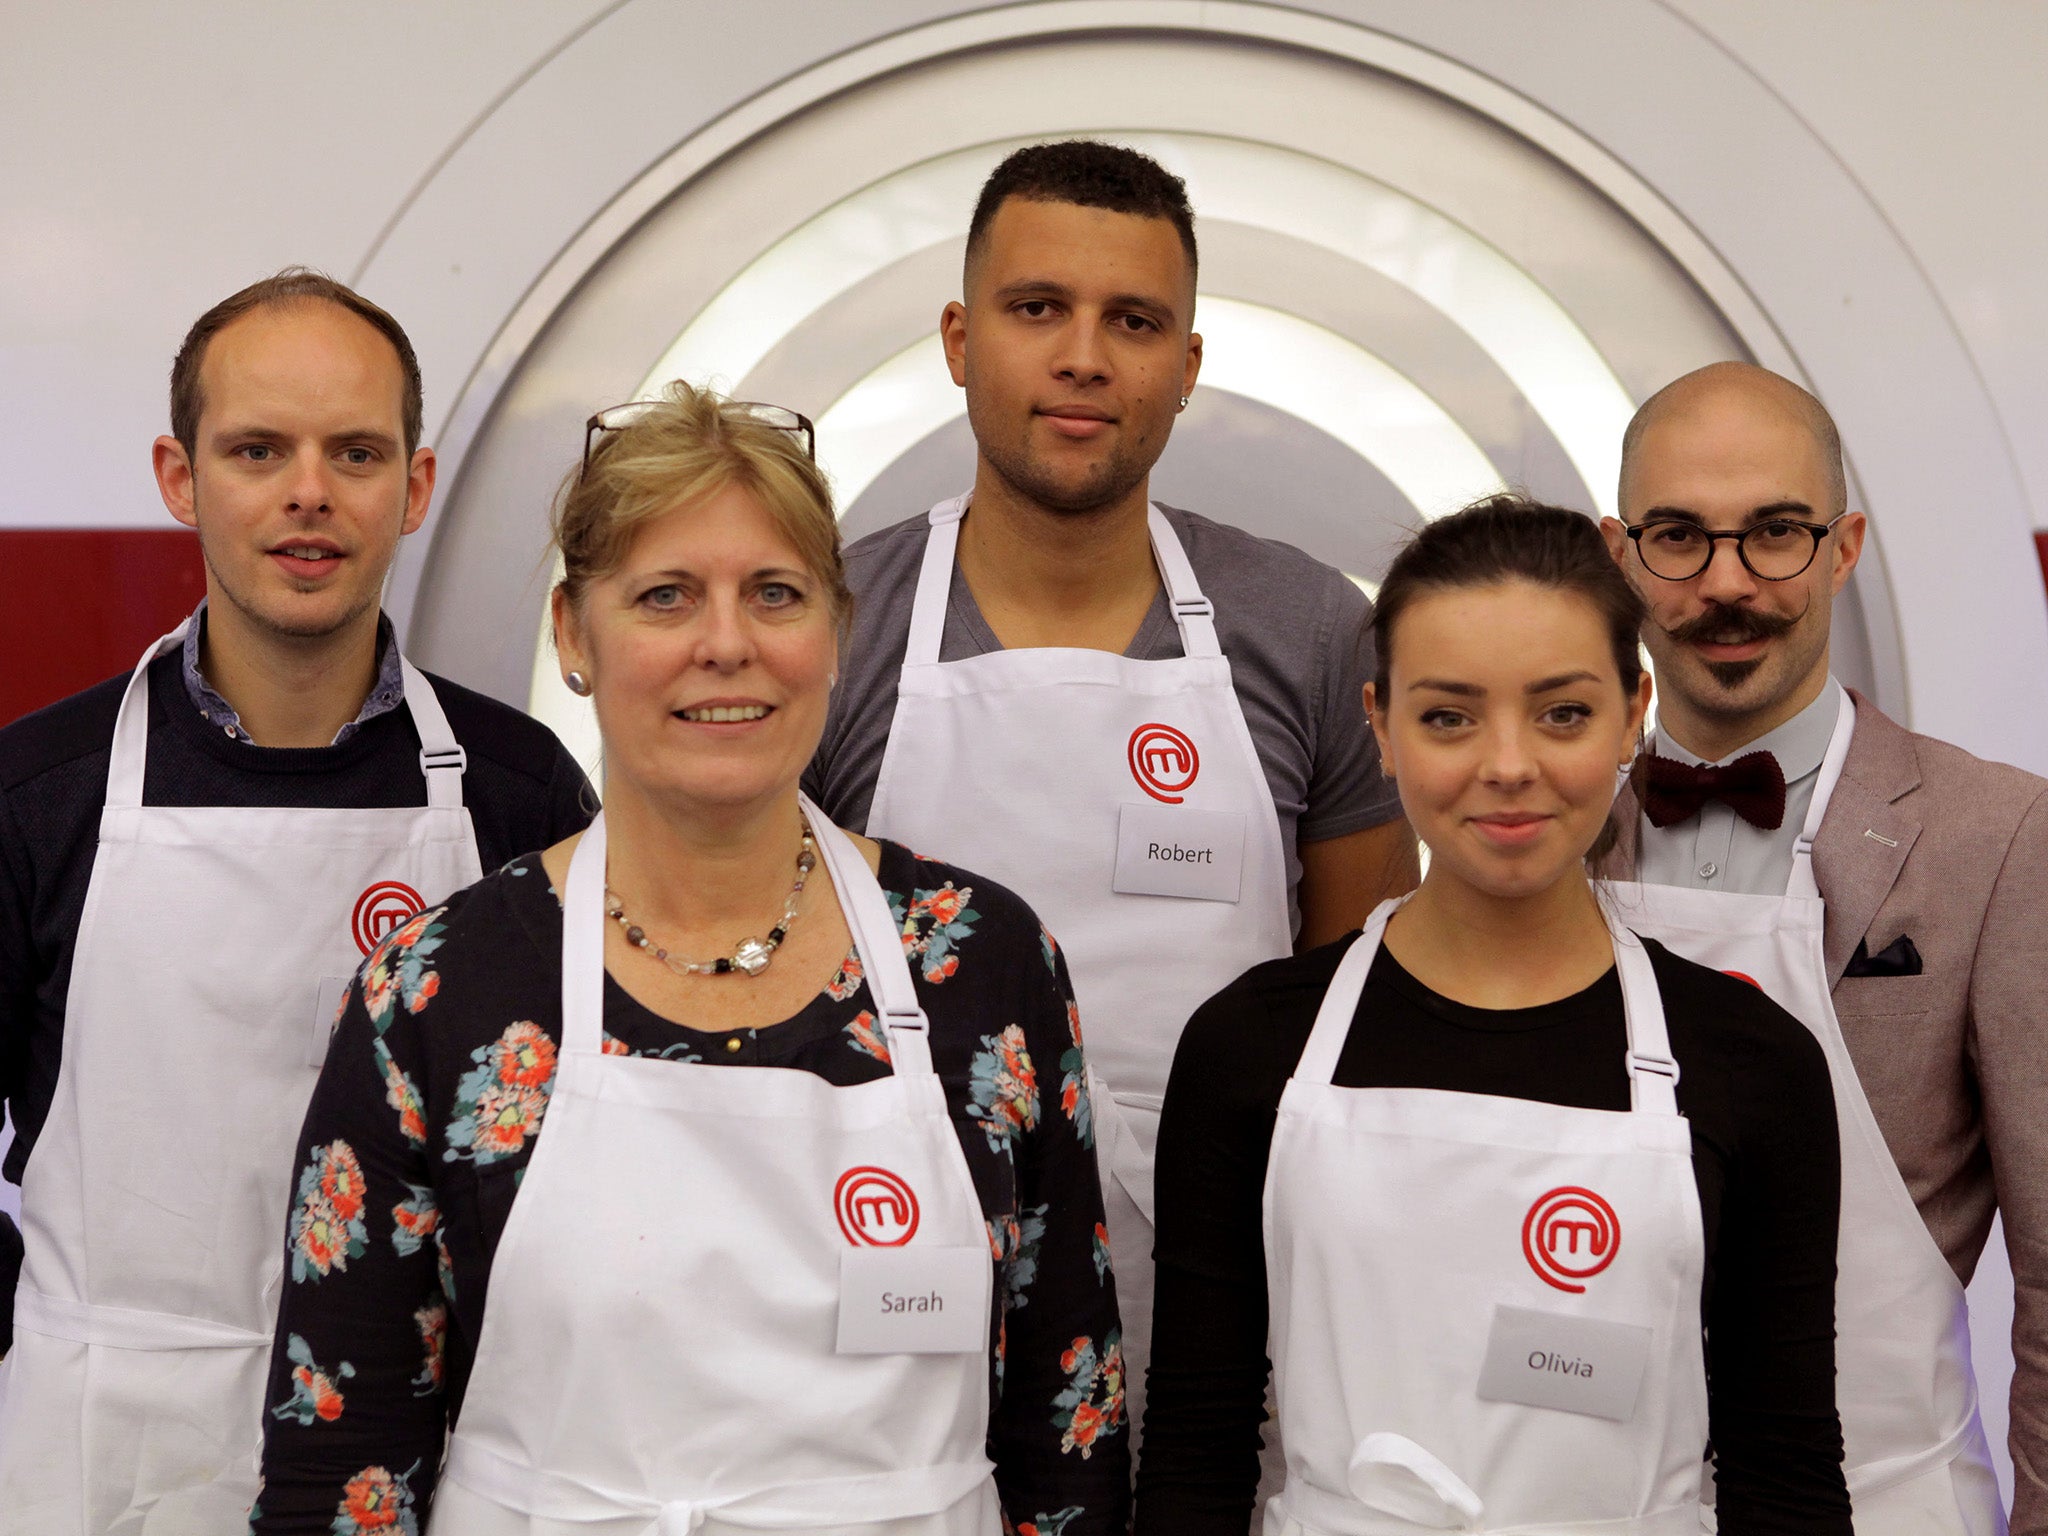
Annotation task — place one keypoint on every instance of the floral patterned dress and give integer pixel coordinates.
(436, 1092)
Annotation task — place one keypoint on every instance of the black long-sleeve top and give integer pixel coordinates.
(1755, 1089)
(435, 1095)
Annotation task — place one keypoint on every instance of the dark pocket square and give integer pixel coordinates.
(1898, 958)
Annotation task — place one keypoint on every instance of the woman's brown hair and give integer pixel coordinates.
(1511, 538)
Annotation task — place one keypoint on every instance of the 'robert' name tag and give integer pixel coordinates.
(1166, 850)
(914, 1301)
(1577, 1364)
(326, 1007)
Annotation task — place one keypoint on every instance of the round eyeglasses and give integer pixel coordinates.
(1774, 551)
(618, 417)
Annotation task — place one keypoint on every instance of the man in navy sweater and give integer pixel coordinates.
(193, 859)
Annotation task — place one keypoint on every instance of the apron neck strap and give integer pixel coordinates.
(1193, 613)
(442, 759)
(1652, 1071)
(583, 945)
(875, 935)
(878, 938)
(1802, 881)
(129, 760)
(1318, 1062)
(934, 583)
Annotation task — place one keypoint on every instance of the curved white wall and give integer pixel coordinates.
(1886, 169)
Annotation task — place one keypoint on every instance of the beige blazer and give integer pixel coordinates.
(1924, 840)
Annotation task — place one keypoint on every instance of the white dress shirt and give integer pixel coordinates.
(1717, 850)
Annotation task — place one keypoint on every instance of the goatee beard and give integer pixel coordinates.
(1722, 624)
(1733, 674)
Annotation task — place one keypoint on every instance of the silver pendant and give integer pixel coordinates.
(751, 956)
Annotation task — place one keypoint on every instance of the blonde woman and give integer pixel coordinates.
(715, 1170)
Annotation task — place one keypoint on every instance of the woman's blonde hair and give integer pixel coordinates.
(682, 449)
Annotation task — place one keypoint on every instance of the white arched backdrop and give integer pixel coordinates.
(812, 190)
(527, 206)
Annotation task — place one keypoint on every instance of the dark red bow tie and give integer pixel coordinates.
(1753, 787)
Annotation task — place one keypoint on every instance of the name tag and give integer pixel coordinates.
(914, 1301)
(326, 1009)
(1165, 850)
(1577, 1364)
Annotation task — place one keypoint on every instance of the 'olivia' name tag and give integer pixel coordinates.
(326, 1012)
(1577, 1364)
(915, 1300)
(1166, 850)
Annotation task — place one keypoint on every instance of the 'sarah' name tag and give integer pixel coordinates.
(1164, 850)
(1577, 1364)
(914, 1301)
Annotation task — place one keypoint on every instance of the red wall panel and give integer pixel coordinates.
(78, 605)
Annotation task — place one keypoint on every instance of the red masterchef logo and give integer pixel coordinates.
(1163, 761)
(1570, 1235)
(384, 906)
(875, 1208)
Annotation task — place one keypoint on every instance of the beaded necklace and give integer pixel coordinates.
(750, 956)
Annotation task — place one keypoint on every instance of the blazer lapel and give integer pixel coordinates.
(1865, 835)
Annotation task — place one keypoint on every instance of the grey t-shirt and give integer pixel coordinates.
(1296, 632)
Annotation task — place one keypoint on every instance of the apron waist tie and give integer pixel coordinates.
(821, 1504)
(85, 1322)
(1890, 1471)
(1321, 1512)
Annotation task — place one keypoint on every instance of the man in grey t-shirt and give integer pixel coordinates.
(1150, 726)
(1297, 633)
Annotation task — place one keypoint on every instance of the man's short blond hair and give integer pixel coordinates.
(683, 449)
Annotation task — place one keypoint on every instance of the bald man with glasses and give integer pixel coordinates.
(1889, 890)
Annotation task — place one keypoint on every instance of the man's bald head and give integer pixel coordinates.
(1722, 388)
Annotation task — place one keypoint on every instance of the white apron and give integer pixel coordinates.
(214, 948)
(658, 1354)
(1916, 1457)
(1024, 766)
(1398, 1220)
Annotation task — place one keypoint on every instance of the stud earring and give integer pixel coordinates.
(578, 684)
(1183, 402)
